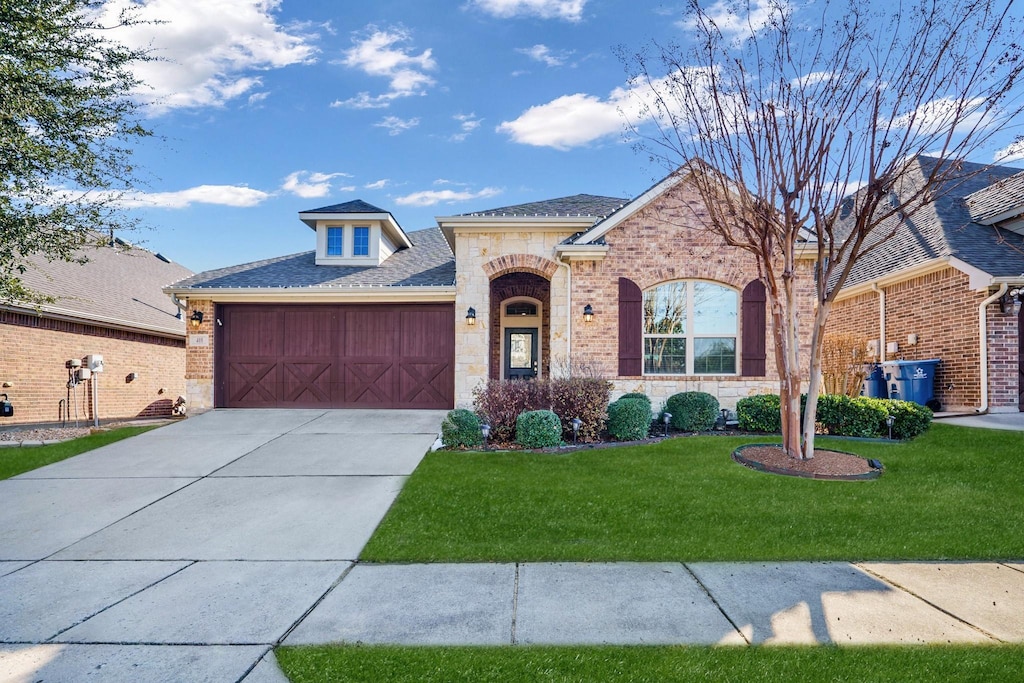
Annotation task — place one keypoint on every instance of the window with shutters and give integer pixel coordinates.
(690, 328)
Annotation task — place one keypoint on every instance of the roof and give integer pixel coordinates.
(428, 263)
(120, 286)
(354, 206)
(944, 227)
(990, 204)
(576, 205)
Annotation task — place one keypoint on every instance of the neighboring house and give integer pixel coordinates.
(635, 291)
(112, 306)
(947, 285)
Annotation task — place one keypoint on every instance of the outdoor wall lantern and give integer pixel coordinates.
(588, 313)
(485, 430)
(471, 316)
(197, 318)
(576, 424)
(889, 422)
(666, 418)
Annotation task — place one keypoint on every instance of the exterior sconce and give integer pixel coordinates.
(666, 418)
(588, 313)
(471, 318)
(197, 319)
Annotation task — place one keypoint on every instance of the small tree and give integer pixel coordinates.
(66, 120)
(774, 127)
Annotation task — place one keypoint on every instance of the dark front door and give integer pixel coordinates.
(520, 352)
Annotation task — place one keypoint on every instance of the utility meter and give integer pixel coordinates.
(73, 364)
(94, 362)
(84, 374)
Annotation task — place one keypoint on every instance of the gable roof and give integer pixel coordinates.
(998, 203)
(577, 205)
(354, 206)
(427, 263)
(357, 209)
(119, 286)
(942, 229)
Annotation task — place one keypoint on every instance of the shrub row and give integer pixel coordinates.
(501, 402)
(840, 415)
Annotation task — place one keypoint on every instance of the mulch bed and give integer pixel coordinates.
(824, 465)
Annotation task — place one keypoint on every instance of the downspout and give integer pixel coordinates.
(182, 305)
(881, 320)
(983, 340)
(568, 304)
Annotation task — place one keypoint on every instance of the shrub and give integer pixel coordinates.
(500, 402)
(461, 428)
(760, 413)
(640, 396)
(583, 397)
(692, 411)
(538, 429)
(911, 419)
(844, 416)
(629, 419)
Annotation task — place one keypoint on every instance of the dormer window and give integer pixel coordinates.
(335, 241)
(360, 241)
(354, 234)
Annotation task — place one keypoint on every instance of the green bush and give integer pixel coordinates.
(692, 411)
(629, 419)
(500, 401)
(841, 415)
(460, 428)
(911, 419)
(538, 429)
(585, 398)
(761, 413)
(639, 396)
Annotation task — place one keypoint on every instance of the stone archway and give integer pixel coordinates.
(513, 285)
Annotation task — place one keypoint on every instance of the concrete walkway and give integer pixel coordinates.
(1008, 421)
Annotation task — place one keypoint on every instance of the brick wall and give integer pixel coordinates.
(199, 358)
(35, 349)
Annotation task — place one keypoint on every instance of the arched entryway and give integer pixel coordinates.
(520, 334)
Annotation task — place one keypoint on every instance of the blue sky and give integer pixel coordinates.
(265, 108)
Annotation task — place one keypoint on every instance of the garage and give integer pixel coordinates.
(335, 356)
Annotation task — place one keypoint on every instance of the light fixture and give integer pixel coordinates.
(576, 424)
(471, 316)
(666, 418)
(197, 318)
(890, 420)
(485, 429)
(588, 313)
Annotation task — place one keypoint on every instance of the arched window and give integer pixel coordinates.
(690, 328)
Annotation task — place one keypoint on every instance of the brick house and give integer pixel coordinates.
(632, 290)
(112, 306)
(947, 285)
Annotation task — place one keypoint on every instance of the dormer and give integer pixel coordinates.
(354, 234)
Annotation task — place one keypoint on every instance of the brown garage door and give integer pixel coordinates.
(335, 356)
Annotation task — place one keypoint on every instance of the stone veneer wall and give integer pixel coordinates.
(199, 359)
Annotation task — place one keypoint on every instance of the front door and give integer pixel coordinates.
(520, 352)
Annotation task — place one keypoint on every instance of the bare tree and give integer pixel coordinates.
(776, 120)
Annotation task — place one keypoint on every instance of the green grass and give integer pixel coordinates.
(15, 461)
(762, 664)
(952, 493)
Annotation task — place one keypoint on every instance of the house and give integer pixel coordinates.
(947, 284)
(631, 290)
(111, 306)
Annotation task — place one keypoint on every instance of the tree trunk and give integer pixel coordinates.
(787, 362)
(814, 381)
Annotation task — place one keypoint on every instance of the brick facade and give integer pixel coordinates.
(38, 377)
(199, 358)
(942, 310)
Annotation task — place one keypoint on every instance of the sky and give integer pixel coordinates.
(266, 108)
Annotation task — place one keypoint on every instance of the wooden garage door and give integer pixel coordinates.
(335, 356)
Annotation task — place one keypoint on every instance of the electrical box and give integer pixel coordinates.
(94, 361)
(6, 409)
(84, 374)
(892, 347)
(873, 347)
(73, 364)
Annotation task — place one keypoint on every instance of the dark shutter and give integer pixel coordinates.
(631, 334)
(753, 330)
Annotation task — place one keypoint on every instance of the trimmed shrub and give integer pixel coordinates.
(761, 413)
(629, 419)
(911, 419)
(538, 429)
(692, 411)
(461, 427)
(583, 397)
(844, 416)
(500, 402)
(637, 395)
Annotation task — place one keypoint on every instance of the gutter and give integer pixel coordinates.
(983, 339)
(443, 294)
(69, 315)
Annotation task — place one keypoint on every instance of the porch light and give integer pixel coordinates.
(666, 418)
(471, 317)
(588, 313)
(576, 424)
(485, 429)
(890, 420)
(197, 318)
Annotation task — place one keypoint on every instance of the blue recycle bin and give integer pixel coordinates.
(874, 385)
(911, 380)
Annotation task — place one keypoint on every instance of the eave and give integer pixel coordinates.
(319, 294)
(581, 252)
(58, 313)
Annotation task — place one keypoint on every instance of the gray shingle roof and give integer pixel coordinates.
(1003, 196)
(119, 283)
(576, 205)
(354, 206)
(944, 228)
(428, 263)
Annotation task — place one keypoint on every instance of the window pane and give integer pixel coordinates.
(714, 356)
(665, 309)
(520, 351)
(334, 241)
(665, 356)
(714, 309)
(361, 242)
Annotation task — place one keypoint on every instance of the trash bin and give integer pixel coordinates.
(874, 385)
(911, 380)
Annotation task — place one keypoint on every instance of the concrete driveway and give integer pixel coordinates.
(188, 551)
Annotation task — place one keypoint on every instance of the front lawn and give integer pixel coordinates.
(15, 461)
(766, 664)
(952, 493)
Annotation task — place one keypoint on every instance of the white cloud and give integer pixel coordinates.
(395, 125)
(377, 184)
(935, 117)
(238, 196)
(257, 97)
(380, 54)
(207, 51)
(309, 185)
(568, 121)
(735, 25)
(543, 54)
(1012, 152)
(569, 10)
(467, 124)
(432, 197)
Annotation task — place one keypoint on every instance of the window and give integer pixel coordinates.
(334, 236)
(521, 308)
(690, 329)
(361, 241)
